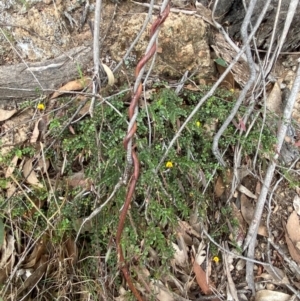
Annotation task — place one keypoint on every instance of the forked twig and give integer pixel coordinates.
(242, 96)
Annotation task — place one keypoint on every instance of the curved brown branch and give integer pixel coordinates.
(136, 165)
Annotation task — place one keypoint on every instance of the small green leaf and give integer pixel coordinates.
(221, 62)
(1, 233)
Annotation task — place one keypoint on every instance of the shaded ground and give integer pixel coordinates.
(59, 164)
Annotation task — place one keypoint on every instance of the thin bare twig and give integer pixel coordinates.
(96, 54)
(244, 34)
(252, 232)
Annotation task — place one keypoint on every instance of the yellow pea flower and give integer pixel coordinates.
(216, 259)
(41, 106)
(169, 164)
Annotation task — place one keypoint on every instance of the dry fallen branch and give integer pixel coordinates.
(17, 81)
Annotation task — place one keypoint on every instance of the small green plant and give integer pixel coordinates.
(94, 148)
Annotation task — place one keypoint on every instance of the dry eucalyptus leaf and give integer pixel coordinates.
(294, 252)
(78, 179)
(74, 85)
(223, 50)
(110, 75)
(201, 278)
(35, 277)
(36, 132)
(123, 295)
(11, 189)
(296, 204)
(11, 167)
(211, 127)
(247, 192)
(274, 99)
(240, 265)
(248, 211)
(7, 250)
(266, 295)
(201, 253)
(43, 165)
(30, 174)
(160, 291)
(6, 114)
(35, 256)
(195, 221)
(293, 228)
(275, 274)
(228, 81)
(183, 226)
(71, 250)
(180, 256)
(7, 257)
(239, 232)
(219, 187)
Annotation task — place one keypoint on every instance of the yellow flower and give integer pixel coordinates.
(216, 259)
(169, 164)
(231, 90)
(198, 124)
(41, 106)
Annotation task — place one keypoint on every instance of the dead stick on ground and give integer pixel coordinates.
(252, 232)
(96, 54)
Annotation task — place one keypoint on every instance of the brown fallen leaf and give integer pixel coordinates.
(11, 167)
(180, 256)
(219, 187)
(275, 274)
(239, 232)
(267, 295)
(241, 188)
(248, 210)
(161, 292)
(201, 278)
(35, 256)
(43, 165)
(7, 257)
(292, 227)
(228, 81)
(292, 236)
(294, 252)
(30, 174)
(6, 114)
(296, 204)
(71, 251)
(36, 132)
(192, 87)
(11, 188)
(78, 179)
(74, 85)
(274, 99)
(30, 283)
(110, 75)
